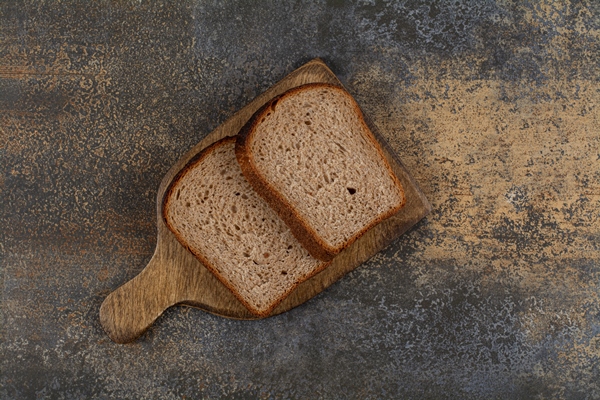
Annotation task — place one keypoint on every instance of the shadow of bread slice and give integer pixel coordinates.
(214, 212)
(311, 156)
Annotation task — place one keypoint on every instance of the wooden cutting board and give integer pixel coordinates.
(174, 276)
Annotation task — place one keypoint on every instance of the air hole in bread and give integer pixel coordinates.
(273, 104)
(283, 272)
(187, 204)
(266, 255)
(342, 148)
(246, 254)
(351, 190)
(177, 197)
(307, 122)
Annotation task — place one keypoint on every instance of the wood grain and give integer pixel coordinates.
(174, 276)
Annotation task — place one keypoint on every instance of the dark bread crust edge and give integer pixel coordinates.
(164, 211)
(300, 228)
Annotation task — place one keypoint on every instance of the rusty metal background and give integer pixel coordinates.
(492, 105)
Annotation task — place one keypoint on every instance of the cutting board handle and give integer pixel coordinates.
(128, 311)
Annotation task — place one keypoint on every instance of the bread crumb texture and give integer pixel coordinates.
(218, 216)
(314, 149)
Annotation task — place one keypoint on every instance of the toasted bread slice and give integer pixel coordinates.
(312, 157)
(214, 212)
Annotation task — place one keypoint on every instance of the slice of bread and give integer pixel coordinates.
(214, 212)
(311, 156)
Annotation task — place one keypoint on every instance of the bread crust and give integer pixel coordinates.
(300, 228)
(201, 257)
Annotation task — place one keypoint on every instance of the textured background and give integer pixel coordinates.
(492, 105)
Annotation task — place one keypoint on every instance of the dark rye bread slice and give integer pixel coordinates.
(311, 156)
(214, 212)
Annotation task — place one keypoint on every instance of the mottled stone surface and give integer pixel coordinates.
(492, 105)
